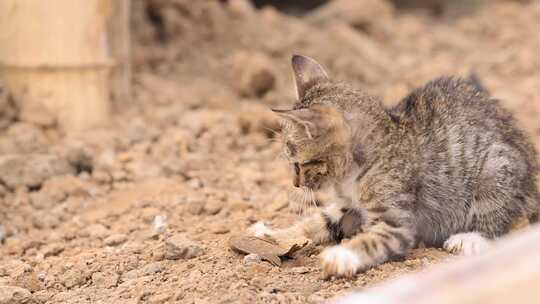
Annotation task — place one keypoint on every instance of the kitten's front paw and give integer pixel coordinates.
(340, 261)
(466, 244)
(259, 229)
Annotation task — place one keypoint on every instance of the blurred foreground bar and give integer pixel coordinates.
(508, 273)
(68, 57)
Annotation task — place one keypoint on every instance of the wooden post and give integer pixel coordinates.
(59, 54)
(507, 273)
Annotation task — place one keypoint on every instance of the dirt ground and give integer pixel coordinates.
(141, 211)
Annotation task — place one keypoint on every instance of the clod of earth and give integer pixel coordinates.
(268, 249)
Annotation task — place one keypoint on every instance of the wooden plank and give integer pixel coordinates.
(61, 54)
(507, 273)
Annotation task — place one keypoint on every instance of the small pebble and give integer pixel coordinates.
(180, 247)
(115, 239)
(159, 224)
(252, 258)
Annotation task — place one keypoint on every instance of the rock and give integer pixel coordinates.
(240, 8)
(72, 278)
(150, 269)
(159, 224)
(14, 295)
(252, 258)
(213, 206)
(105, 279)
(3, 234)
(28, 279)
(102, 176)
(130, 275)
(31, 170)
(115, 239)
(195, 205)
(371, 16)
(42, 200)
(180, 247)
(79, 155)
(23, 138)
(97, 231)
(219, 228)
(300, 269)
(240, 206)
(52, 250)
(253, 74)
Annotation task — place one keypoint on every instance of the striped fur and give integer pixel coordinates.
(447, 160)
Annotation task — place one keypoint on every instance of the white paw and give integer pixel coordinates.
(259, 229)
(466, 244)
(340, 261)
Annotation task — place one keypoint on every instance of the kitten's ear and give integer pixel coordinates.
(313, 121)
(307, 72)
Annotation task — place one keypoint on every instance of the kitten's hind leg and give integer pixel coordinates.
(467, 244)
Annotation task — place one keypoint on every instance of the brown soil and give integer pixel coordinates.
(141, 211)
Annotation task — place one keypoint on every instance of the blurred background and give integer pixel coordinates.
(136, 136)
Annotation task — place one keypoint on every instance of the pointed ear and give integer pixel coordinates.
(313, 121)
(307, 72)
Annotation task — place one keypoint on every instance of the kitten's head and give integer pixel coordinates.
(316, 136)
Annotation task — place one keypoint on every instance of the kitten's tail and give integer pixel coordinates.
(475, 81)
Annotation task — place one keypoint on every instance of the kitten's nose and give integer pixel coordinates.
(296, 180)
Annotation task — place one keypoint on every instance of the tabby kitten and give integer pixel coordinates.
(445, 167)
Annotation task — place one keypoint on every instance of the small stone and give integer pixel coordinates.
(159, 224)
(72, 278)
(180, 247)
(219, 228)
(52, 250)
(31, 170)
(254, 74)
(151, 269)
(115, 239)
(240, 8)
(130, 275)
(101, 176)
(14, 295)
(195, 205)
(213, 206)
(300, 269)
(97, 231)
(252, 258)
(240, 206)
(195, 183)
(41, 276)
(3, 233)
(105, 279)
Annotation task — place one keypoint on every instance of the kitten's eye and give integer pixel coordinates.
(313, 162)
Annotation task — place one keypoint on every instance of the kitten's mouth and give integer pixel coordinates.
(302, 199)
